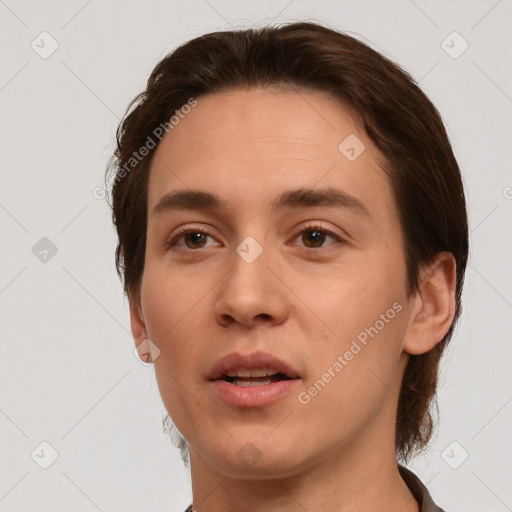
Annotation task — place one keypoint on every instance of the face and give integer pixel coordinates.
(307, 284)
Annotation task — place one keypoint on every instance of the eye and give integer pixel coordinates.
(193, 238)
(314, 236)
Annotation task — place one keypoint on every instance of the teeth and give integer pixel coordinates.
(246, 373)
(260, 372)
(250, 383)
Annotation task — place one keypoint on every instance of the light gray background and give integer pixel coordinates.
(68, 375)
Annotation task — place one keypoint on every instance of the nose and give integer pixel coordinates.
(252, 293)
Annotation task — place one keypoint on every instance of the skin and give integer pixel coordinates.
(302, 301)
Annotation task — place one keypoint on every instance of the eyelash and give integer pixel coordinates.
(311, 226)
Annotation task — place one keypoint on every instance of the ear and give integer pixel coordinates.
(433, 306)
(138, 324)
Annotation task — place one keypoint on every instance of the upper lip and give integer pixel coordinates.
(252, 361)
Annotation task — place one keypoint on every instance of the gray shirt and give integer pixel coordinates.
(419, 491)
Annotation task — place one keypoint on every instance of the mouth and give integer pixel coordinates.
(252, 380)
(255, 380)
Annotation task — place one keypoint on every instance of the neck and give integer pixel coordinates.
(360, 476)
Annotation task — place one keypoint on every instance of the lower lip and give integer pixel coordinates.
(253, 396)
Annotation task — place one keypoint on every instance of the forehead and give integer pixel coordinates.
(247, 146)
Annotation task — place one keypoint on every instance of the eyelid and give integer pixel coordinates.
(308, 226)
(178, 235)
(313, 225)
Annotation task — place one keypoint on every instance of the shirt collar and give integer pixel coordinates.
(419, 491)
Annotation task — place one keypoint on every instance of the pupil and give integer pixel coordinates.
(196, 238)
(315, 236)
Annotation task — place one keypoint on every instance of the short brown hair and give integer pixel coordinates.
(396, 115)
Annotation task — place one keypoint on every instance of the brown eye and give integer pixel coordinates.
(314, 236)
(192, 239)
(195, 238)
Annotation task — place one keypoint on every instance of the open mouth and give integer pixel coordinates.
(255, 381)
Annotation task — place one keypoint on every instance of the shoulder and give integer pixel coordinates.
(420, 492)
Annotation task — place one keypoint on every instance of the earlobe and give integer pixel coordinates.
(434, 305)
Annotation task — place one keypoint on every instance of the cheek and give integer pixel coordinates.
(365, 311)
(173, 311)
(357, 293)
(170, 309)
(365, 371)
(169, 300)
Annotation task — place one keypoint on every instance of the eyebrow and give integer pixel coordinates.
(289, 199)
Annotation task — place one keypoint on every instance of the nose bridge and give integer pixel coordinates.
(250, 290)
(249, 274)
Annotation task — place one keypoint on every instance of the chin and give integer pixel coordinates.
(254, 457)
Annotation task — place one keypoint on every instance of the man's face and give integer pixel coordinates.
(263, 280)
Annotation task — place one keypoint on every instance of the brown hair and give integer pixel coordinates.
(396, 115)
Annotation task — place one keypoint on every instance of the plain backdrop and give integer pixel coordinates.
(73, 396)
